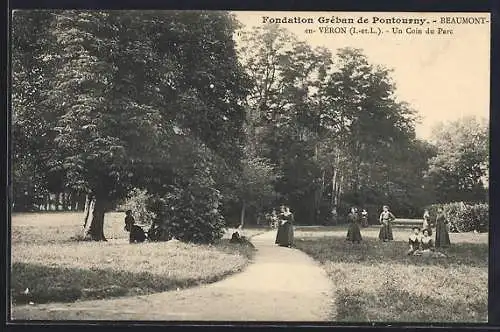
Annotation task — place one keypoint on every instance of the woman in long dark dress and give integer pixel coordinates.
(386, 218)
(353, 232)
(284, 237)
(442, 235)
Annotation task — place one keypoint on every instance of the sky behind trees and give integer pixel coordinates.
(443, 77)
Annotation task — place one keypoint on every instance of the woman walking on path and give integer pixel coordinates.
(386, 218)
(284, 237)
(442, 235)
(353, 232)
(427, 222)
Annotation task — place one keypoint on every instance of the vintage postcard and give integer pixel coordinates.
(250, 166)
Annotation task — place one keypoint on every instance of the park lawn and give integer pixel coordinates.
(55, 268)
(377, 282)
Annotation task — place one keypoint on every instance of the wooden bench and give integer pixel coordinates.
(407, 223)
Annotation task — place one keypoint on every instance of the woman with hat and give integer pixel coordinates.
(386, 218)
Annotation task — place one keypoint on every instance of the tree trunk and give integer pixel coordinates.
(73, 200)
(81, 202)
(64, 201)
(339, 189)
(58, 201)
(86, 211)
(242, 215)
(47, 202)
(95, 229)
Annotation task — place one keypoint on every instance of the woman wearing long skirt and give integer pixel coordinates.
(386, 218)
(284, 237)
(442, 235)
(353, 232)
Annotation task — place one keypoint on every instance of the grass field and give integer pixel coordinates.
(376, 281)
(55, 268)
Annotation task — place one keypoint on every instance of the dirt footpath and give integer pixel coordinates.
(281, 284)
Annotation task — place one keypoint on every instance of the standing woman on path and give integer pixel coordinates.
(353, 232)
(284, 237)
(442, 235)
(386, 218)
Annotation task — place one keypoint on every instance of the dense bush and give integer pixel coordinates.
(464, 217)
(138, 201)
(190, 212)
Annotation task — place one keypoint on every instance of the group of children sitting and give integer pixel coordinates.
(421, 243)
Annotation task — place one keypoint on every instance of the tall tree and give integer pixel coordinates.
(364, 130)
(256, 185)
(32, 118)
(282, 121)
(128, 86)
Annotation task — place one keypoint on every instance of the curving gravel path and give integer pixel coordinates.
(281, 284)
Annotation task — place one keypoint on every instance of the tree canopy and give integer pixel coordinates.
(217, 128)
(459, 171)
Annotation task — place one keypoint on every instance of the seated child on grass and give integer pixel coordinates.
(427, 246)
(414, 240)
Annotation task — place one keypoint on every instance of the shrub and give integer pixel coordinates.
(189, 214)
(138, 201)
(464, 217)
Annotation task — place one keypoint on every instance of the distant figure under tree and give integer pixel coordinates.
(137, 234)
(237, 237)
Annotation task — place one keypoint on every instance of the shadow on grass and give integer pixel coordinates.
(385, 304)
(337, 250)
(246, 248)
(62, 284)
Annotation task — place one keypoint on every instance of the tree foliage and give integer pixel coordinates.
(459, 171)
(111, 104)
(333, 125)
(129, 87)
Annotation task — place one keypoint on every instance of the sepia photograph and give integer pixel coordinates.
(249, 166)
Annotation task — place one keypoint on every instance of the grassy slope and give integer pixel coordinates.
(376, 281)
(55, 268)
